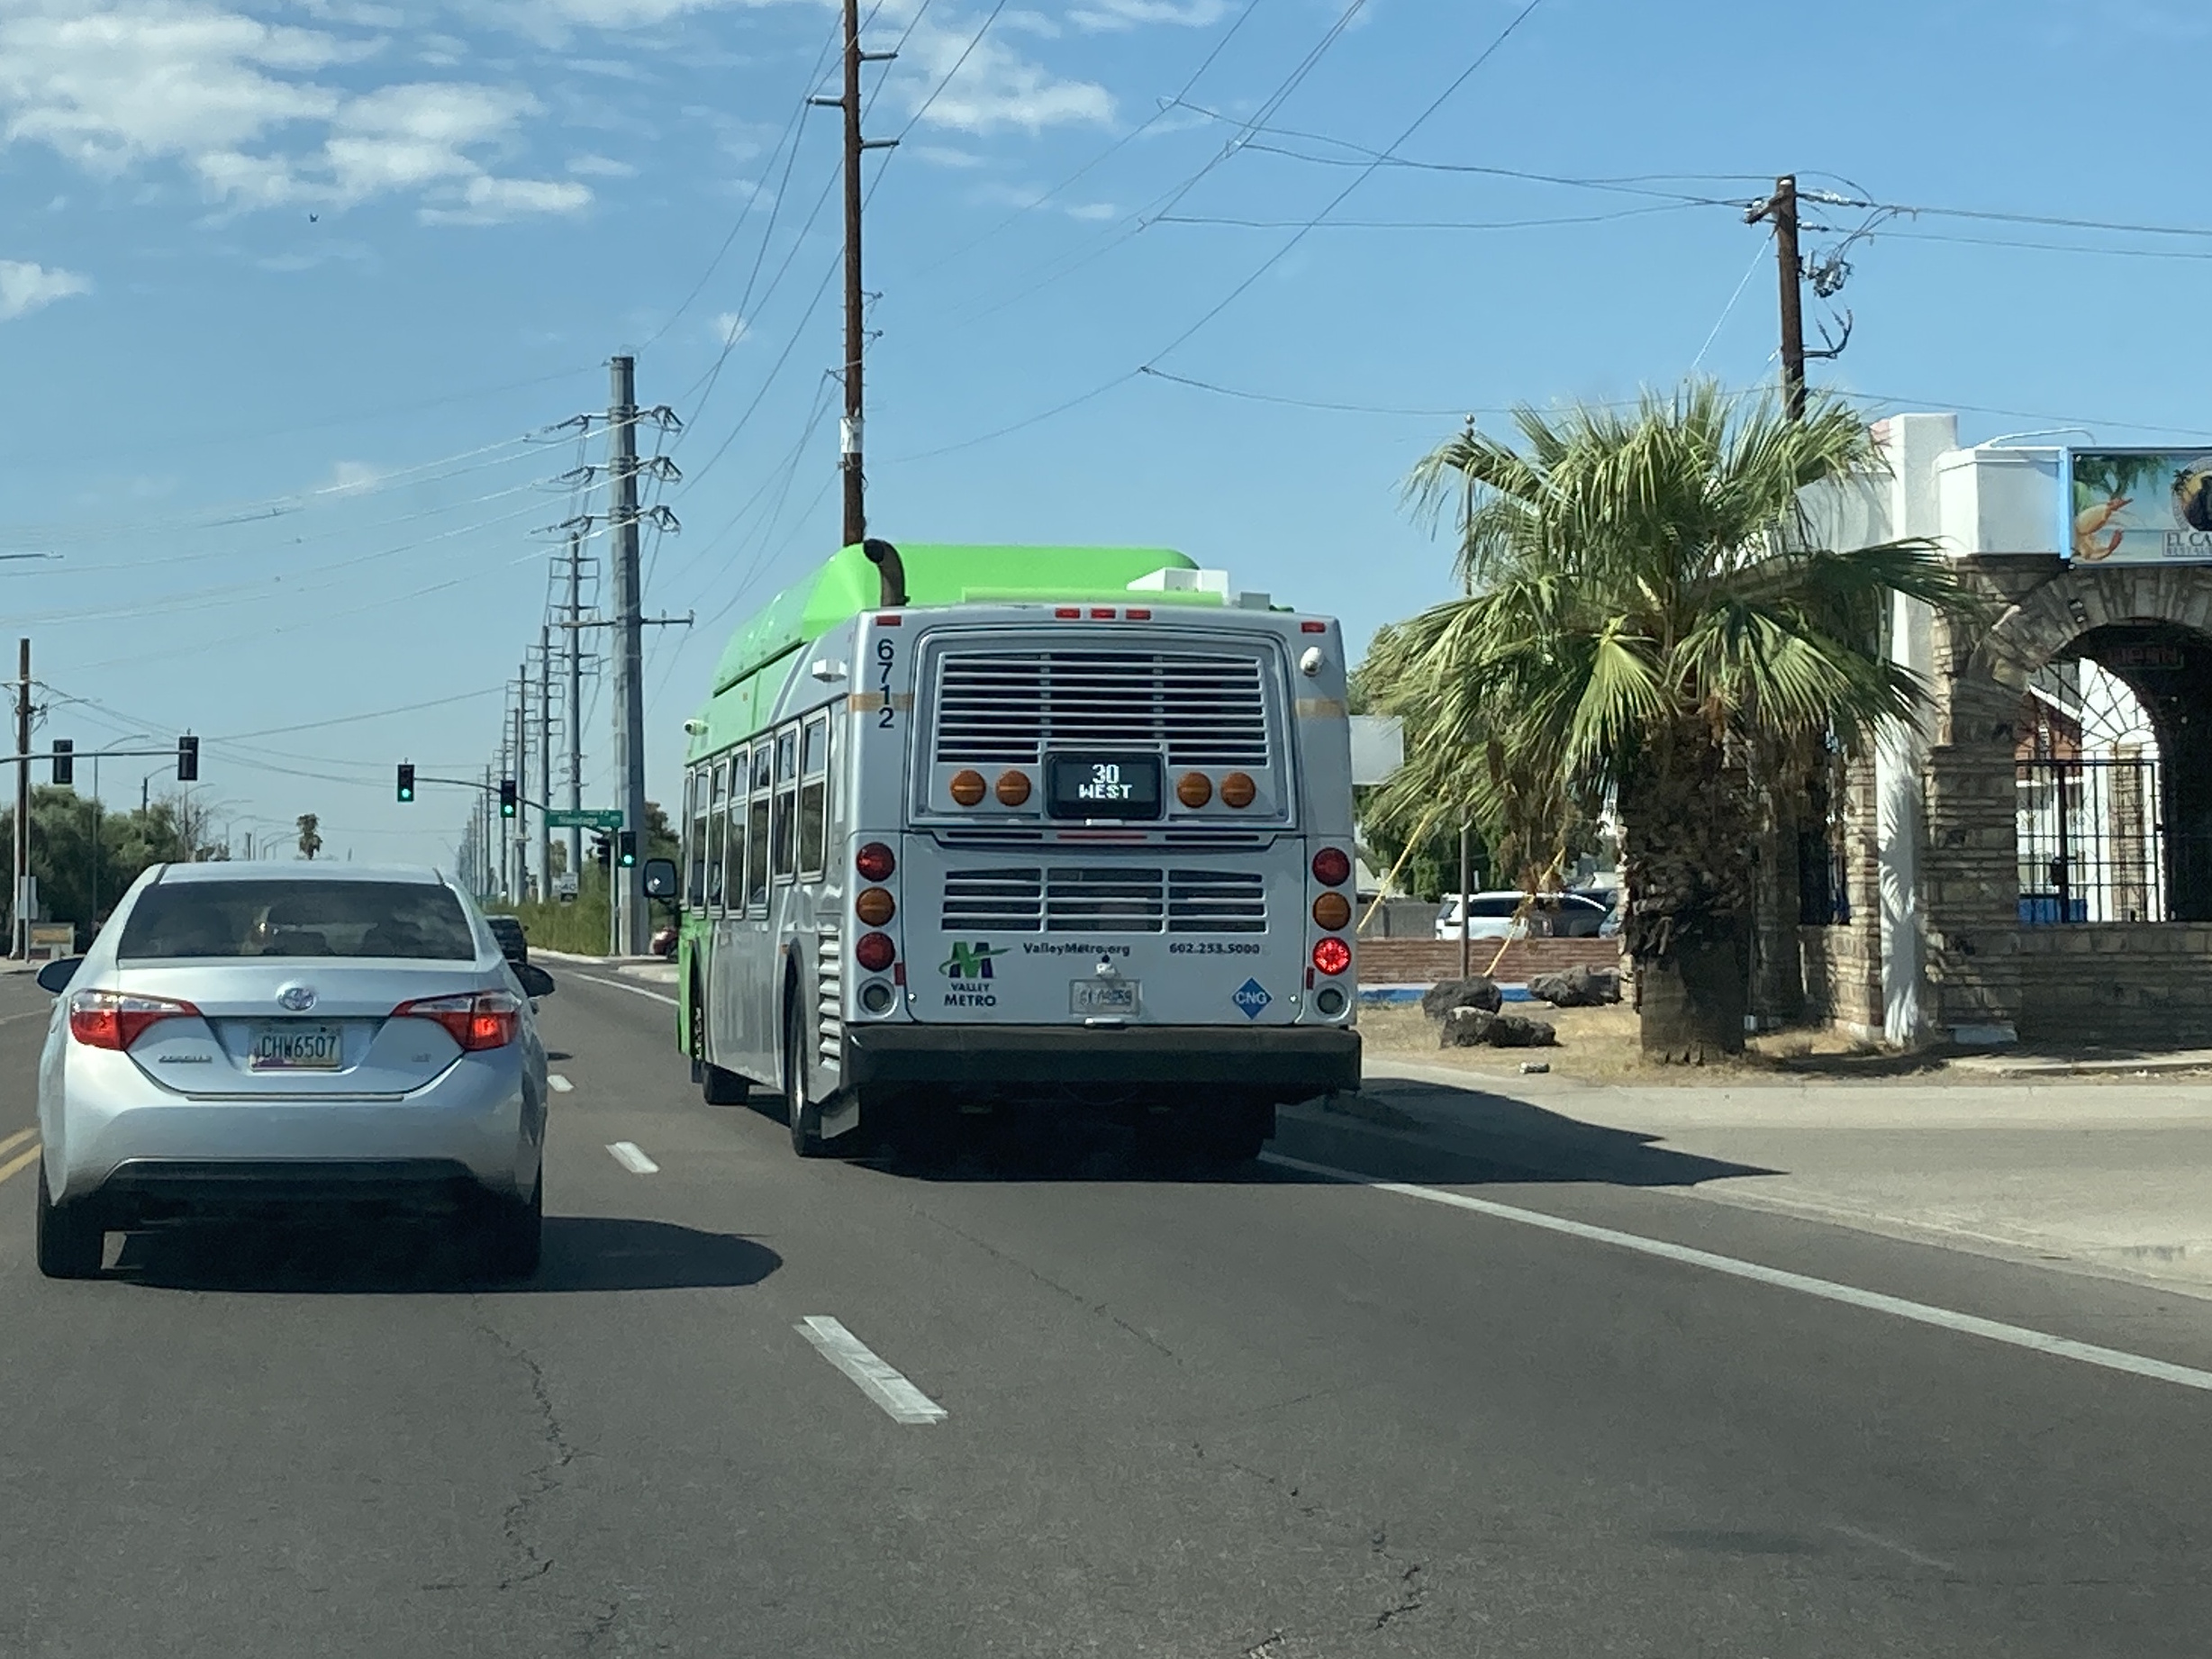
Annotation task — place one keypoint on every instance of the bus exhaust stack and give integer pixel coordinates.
(885, 558)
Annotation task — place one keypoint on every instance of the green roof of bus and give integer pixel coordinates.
(942, 574)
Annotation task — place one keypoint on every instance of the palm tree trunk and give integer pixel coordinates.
(1688, 866)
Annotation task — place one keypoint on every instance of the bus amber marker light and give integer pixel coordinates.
(1013, 788)
(1237, 790)
(875, 906)
(1332, 867)
(1193, 790)
(1332, 910)
(968, 787)
(1331, 955)
(874, 862)
(876, 951)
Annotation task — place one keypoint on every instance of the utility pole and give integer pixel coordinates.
(1782, 208)
(626, 887)
(850, 430)
(522, 769)
(575, 703)
(545, 757)
(19, 943)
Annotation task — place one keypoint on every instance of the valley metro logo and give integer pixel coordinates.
(971, 961)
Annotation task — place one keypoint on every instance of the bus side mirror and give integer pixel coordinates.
(659, 879)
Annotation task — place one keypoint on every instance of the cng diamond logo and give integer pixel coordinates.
(970, 961)
(1252, 997)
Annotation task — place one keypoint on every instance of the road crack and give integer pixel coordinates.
(540, 1482)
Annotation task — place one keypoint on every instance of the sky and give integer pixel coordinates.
(301, 301)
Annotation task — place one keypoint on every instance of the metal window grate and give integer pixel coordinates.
(1007, 707)
(1103, 898)
(2091, 844)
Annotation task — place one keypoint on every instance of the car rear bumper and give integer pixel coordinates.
(143, 1192)
(1282, 1063)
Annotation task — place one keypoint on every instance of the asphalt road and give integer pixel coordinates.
(1277, 1415)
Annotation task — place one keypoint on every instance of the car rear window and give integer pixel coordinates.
(297, 919)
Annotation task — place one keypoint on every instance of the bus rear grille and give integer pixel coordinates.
(1002, 707)
(1103, 898)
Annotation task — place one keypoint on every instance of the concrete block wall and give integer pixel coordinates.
(2142, 984)
(1424, 962)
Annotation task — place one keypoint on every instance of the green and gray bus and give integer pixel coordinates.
(976, 825)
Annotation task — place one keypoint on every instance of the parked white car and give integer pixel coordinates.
(1497, 916)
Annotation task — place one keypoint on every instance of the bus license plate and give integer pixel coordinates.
(289, 1046)
(1101, 996)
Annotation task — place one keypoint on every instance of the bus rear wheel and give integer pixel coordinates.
(805, 1127)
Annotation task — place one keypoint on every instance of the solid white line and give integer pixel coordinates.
(616, 985)
(558, 1083)
(1920, 1313)
(900, 1400)
(626, 1155)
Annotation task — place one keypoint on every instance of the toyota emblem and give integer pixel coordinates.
(299, 998)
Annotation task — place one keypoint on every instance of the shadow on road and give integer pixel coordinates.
(581, 1253)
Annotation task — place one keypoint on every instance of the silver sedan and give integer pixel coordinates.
(248, 1039)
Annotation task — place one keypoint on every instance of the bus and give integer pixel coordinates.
(977, 826)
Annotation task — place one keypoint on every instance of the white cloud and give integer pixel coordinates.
(601, 166)
(996, 87)
(495, 201)
(947, 155)
(25, 287)
(1101, 15)
(349, 478)
(731, 328)
(1093, 211)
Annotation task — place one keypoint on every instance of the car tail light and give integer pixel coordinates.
(876, 952)
(1332, 955)
(968, 787)
(115, 1019)
(1193, 789)
(1332, 867)
(475, 1019)
(1332, 910)
(874, 862)
(1237, 790)
(1013, 788)
(875, 906)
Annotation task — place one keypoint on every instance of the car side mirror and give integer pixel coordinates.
(536, 981)
(55, 976)
(659, 879)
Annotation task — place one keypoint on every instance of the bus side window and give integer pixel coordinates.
(813, 797)
(786, 804)
(712, 826)
(695, 789)
(757, 826)
(733, 846)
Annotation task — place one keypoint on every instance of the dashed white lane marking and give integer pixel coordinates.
(626, 1155)
(1896, 1306)
(616, 985)
(900, 1400)
(558, 1083)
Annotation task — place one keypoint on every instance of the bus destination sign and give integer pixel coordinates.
(1097, 784)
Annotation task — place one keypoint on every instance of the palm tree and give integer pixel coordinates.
(310, 837)
(1646, 621)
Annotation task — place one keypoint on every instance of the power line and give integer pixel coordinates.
(1424, 224)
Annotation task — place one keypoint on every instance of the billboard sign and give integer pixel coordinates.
(2139, 506)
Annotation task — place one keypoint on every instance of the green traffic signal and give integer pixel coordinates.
(626, 848)
(506, 797)
(406, 783)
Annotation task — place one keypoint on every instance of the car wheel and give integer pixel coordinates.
(805, 1140)
(70, 1240)
(515, 1233)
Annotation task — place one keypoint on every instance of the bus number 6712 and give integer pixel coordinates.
(886, 652)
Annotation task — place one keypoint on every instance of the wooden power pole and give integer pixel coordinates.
(1781, 209)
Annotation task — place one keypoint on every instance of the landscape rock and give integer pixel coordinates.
(1466, 1028)
(1476, 991)
(1518, 1031)
(1577, 987)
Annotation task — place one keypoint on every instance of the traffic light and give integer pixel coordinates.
(600, 844)
(187, 760)
(407, 782)
(506, 797)
(626, 848)
(65, 761)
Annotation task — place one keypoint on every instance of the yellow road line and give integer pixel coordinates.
(15, 1166)
(8, 1143)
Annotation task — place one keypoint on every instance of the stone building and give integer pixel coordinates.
(2031, 860)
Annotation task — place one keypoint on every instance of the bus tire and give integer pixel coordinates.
(1236, 1134)
(805, 1121)
(717, 1087)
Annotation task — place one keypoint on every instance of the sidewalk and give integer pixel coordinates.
(2095, 1175)
(652, 970)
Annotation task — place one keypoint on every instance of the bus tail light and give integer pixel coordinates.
(1332, 867)
(1193, 789)
(876, 952)
(968, 787)
(1013, 788)
(1331, 911)
(874, 862)
(1332, 955)
(875, 906)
